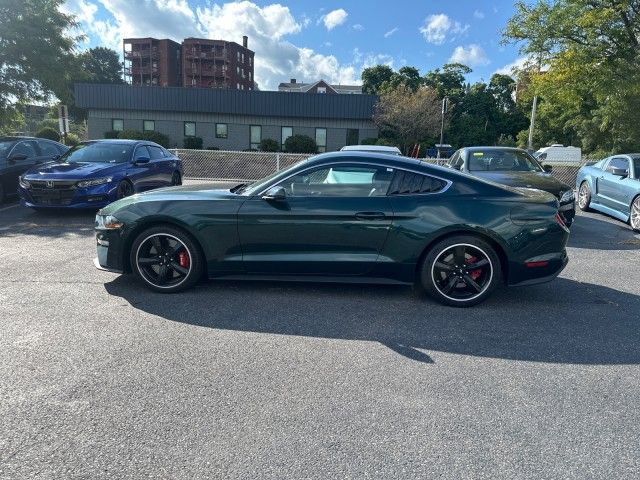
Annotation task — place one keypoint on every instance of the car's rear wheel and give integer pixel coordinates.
(176, 179)
(125, 188)
(584, 197)
(166, 259)
(634, 217)
(461, 271)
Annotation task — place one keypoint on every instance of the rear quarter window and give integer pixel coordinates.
(407, 183)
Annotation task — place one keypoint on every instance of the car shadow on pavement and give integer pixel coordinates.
(561, 322)
(603, 233)
(20, 220)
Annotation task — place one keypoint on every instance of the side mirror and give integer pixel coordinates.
(547, 168)
(620, 172)
(17, 157)
(275, 194)
(141, 160)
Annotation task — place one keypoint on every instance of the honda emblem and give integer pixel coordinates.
(49, 183)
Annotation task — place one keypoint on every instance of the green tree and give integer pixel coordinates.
(591, 52)
(374, 77)
(408, 117)
(448, 82)
(36, 51)
(101, 65)
(406, 76)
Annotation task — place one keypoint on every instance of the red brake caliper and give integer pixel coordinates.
(474, 273)
(183, 259)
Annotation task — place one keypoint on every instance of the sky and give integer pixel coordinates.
(307, 40)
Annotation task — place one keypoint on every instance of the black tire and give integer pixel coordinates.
(176, 179)
(634, 214)
(447, 272)
(584, 197)
(125, 189)
(156, 259)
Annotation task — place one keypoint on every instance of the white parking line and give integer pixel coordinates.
(9, 207)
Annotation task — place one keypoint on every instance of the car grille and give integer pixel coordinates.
(56, 192)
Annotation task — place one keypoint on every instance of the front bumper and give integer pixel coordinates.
(74, 198)
(109, 248)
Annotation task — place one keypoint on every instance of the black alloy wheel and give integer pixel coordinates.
(584, 197)
(634, 217)
(125, 189)
(176, 179)
(461, 271)
(166, 259)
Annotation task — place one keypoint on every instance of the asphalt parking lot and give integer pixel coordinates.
(100, 378)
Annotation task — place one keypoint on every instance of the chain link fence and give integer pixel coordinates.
(231, 166)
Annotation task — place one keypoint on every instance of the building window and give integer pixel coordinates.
(321, 139)
(221, 130)
(238, 55)
(238, 86)
(249, 76)
(256, 136)
(189, 129)
(243, 58)
(148, 126)
(353, 136)
(322, 89)
(286, 133)
(117, 124)
(238, 70)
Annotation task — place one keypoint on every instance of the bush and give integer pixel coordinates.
(72, 140)
(269, 145)
(49, 133)
(193, 143)
(300, 144)
(111, 134)
(213, 148)
(130, 135)
(157, 137)
(368, 141)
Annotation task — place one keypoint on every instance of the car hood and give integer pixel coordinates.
(539, 180)
(71, 171)
(172, 195)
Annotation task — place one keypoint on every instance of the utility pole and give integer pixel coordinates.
(445, 104)
(534, 107)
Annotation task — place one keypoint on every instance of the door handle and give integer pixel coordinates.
(370, 215)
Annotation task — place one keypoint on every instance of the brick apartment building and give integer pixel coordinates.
(197, 62)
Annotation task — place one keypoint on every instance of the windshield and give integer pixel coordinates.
(5, 147)
(255, 187)
(502, 161)
(98, 152)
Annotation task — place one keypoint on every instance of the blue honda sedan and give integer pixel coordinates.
(95, 173)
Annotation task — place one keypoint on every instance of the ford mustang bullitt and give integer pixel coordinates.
(341, 217)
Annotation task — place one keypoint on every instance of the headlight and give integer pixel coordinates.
(24, 183)
(107, 222)
(567, 196)
(94, 182)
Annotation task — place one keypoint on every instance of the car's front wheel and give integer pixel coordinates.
(461, 271)
(166, 259)
(584, 197)
(176, 179)
(634, 217)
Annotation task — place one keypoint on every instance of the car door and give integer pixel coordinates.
(23, 156)
(333, 220)
(162, 165)
(142, 172)
(614, 190)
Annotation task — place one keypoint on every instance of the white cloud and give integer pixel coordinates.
(508, 69)
(391, 32)
(334, 18)
(358, 27)
(479, 14)
(439, 28)
(109, 21)
(472, 55)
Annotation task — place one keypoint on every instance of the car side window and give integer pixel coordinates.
(411, 183)
(156, 152)
(618, 162)
(141, 152)
(340, 181)
(27, 148)
(456, 160)
(48, 149)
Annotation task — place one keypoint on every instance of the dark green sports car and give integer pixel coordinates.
(341, 217)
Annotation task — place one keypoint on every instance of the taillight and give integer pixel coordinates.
(560, 222)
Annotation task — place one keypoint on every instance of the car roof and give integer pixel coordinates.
(506, 149)
(120, 141)
(358, 156)
(370, 148)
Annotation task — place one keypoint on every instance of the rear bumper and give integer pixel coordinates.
(522, 275)
(568, 212)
